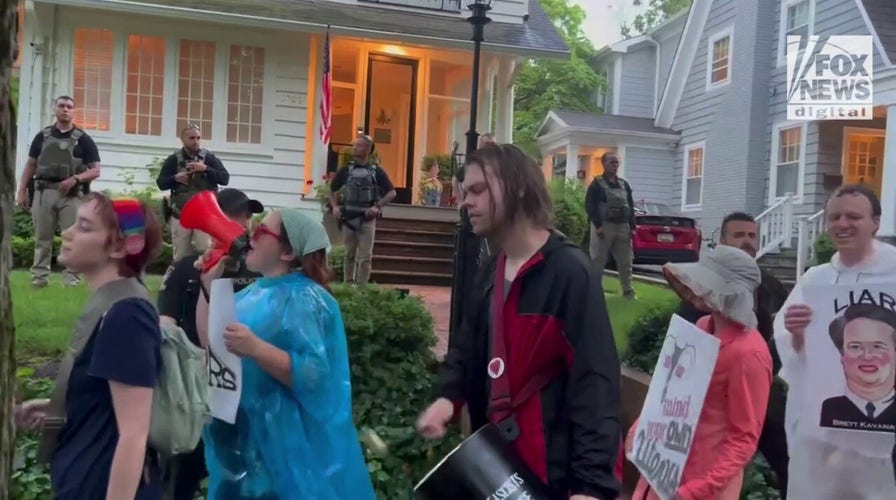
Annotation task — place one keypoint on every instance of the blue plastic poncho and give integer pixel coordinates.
(299, 442)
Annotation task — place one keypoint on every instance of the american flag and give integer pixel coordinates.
(326, 98)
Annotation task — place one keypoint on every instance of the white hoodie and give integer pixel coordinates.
(817, 468)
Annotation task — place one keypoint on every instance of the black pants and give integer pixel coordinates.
(773, 439)
(184, 474)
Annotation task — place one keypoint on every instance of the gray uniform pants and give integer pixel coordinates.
(616, 241)
(50, 211)
(358, 250)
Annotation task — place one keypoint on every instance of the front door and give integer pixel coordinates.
(863, 157)
(390, 118)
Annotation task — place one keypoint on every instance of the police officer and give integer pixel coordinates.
(177, 303)
(188, 171)
(367, 190)
(62, 162)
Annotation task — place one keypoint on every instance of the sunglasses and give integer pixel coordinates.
(262, 230)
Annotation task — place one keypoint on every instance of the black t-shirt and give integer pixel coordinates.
(124, 348)
(180, 291)
(86, 149)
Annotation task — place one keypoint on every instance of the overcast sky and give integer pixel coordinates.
(605, 18)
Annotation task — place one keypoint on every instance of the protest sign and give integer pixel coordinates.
(665, 431)
(851, 361)
(225, 370)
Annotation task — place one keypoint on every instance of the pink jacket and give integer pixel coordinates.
(733, 413)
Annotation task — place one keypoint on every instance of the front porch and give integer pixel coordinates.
(571, 144)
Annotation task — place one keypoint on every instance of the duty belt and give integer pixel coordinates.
(41, 184)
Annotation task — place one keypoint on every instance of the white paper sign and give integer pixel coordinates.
(225, 370)
(665, 431)
(851, 359)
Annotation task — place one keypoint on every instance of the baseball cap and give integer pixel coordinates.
(235, 203)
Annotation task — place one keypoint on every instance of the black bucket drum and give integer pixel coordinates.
(482, 467)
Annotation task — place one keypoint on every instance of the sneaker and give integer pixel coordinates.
(629, 296)
(38, 284)
(72, 283)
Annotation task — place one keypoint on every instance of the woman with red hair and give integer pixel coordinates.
(105, 387)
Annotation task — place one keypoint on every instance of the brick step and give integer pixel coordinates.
(412, 236)
(435, 226)
(413, 249)
(410, 278)
(429, 265)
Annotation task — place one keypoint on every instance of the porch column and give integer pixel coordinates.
(888, 183)
(504, 111)
(572, 160)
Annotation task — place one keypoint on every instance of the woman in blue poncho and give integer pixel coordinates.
(294, 437)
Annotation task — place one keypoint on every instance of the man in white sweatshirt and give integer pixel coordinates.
(858, 466)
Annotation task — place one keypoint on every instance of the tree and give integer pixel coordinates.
(546, 84)
(8, 25)
(657, 12)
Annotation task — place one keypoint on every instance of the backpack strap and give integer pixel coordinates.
(48, 132)
(77, 134)
(87, 325)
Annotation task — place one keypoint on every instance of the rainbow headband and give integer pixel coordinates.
(131, 222)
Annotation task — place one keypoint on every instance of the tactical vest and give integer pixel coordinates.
(198, 182)
(57, 161)
(617, 208)
(361, 191)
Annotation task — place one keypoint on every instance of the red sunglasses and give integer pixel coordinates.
(261, 230)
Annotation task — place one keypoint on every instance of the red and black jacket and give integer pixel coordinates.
(554, 314)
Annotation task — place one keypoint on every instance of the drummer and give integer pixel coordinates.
(544, 369)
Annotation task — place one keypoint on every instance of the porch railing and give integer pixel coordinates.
(776, 226)
(808, 229)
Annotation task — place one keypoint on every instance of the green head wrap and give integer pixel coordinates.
(306, 234)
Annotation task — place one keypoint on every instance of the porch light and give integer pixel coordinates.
(466, 244)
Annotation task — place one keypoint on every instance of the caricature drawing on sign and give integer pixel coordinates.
(865, 338)
(678, 362)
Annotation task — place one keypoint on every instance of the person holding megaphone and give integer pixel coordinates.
(294, 436)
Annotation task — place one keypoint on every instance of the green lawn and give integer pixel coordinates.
(624, 313)
(44, 318)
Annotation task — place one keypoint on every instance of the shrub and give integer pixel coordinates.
(568, 198)
(646, 337)
(824, 248)
(390, 340)
(30, 479)
(336, 261)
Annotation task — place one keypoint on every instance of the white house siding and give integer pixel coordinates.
(823, 151)
(731, 119)
(649, 171)
(272, 171)
(637, 89)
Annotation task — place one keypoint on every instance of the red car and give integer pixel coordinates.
(663, 235)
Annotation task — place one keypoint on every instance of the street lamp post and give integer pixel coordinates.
(467, 244)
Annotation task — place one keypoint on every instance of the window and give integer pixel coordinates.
(718, 59)
(196, 86)
(692, 188)
(245, 93)
(449, 91)
(787, 159)
(92, 78)
(797, 17)
(145, 85)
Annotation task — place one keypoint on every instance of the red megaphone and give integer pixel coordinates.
(202, 213)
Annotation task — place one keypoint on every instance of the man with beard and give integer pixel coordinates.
(740, 230)
(535, 354)
(62, 162)
(187, 172)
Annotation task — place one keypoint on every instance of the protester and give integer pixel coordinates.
(294, 436)
(740, 230)
(177, 303)
(860, 465)
(723, 284)
(105, 388)
(554, 375)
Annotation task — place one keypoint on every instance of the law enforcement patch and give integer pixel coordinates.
(165, 277)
